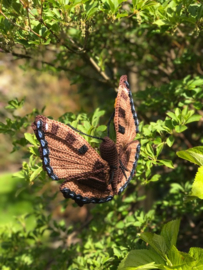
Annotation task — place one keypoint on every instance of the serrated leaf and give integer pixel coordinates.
(197, 254)
(176, 258)
(141, 259)
(197, 187)
(157, 242)
(170, 232)
(194, 155)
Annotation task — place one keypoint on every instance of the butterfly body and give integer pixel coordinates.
(89, 177)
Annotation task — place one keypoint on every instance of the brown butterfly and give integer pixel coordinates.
(89, 177)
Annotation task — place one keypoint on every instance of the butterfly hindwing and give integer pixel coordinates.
(126, 126)
(67, 155)
(129, 159)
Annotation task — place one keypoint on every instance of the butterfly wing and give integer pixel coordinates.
(67, 155)
(126, 126)
(129, 158)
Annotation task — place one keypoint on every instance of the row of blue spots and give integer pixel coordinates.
(45, 151)
(70, 194)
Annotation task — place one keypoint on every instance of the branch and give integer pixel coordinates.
(24, 56)
(84, 54)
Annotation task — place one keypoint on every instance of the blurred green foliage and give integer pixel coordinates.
(158, 44)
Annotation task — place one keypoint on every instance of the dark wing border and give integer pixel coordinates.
(80, 200)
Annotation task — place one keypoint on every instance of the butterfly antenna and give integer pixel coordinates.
(99, 138)
(109, 122)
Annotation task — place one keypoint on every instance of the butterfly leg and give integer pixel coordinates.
(112, 172)
(109, 122)
(123, 168)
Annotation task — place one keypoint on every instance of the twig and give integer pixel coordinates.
(80, 50)
(30, 30)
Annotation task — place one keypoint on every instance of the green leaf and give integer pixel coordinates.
(35, 173)
(7, 3)
(194, 155)
(176, 258)
(157, 242)
(31, 138)
(197, 187)
(86, 125)
(194, 118)
(167, 163)
(19, 175)
(170, 141)
(160, 22)
(180, 128)
(34, 151)
(141, 259)
(155, 178)
(197, 254)
(159, 149)
(175, 188)
(170, 232)
(15, 104)
(150, 150)
(172, 115)
(91, 9)
(95, 118)
(101, 128)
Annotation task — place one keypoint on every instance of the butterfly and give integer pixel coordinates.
(90, 177)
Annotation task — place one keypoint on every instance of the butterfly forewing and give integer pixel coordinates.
(125, 120)
(67, 155)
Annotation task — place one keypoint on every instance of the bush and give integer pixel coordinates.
(158, 45)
